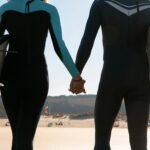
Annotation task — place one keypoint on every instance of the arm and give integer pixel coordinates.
(3, 8)
(59, 45)
(2, 27)
(88, 38)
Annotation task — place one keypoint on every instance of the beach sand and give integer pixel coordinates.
(63, 133)
(68, 139)
(66, 122)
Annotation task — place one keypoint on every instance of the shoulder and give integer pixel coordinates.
(5, 7)
(98, 3)
(51, 9)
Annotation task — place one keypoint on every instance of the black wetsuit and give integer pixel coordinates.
(125, 72)
(24, 76)
(24, 73)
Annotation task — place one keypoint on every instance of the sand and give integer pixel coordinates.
(72, 134)
(68, 139)
(66, 122)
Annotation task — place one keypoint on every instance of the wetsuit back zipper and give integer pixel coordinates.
(27, 10)
(27, 7)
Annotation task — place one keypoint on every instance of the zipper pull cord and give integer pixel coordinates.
(27, 8)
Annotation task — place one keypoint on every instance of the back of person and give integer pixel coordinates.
(125, 73)
(27, 24)
(124, 26)
(24, 73)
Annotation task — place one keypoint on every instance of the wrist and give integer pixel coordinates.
(77, 78)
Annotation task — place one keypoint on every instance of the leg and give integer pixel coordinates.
(11, 104)
(32, 101)
(107, 105)
(137, 108)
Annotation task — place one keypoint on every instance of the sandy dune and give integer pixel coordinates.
(68, 139)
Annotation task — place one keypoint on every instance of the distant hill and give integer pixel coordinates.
(67, 105)
(72, 104)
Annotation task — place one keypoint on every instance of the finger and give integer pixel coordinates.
(76, 90)
(80, 90)
(83, 81)
(84, 91)
(71, 90)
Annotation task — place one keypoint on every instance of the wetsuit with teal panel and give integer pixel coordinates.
(24, 73)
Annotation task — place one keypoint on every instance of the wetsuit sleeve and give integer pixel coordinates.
(59, 45)
(91, 29)
(2, 27)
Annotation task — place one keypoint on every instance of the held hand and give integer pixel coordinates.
(77, 85)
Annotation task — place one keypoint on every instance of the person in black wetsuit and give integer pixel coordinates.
(24, 73)
(125, 73)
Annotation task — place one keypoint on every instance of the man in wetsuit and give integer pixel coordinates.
(125, 73)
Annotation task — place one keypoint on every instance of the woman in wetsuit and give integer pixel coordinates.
(125, 71)
(24, 73)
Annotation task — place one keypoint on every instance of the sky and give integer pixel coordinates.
(73, 16)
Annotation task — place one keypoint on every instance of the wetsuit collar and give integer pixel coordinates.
(22, 1)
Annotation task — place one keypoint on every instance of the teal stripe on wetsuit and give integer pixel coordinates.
(38, 5)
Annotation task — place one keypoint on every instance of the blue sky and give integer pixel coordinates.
(73, 15)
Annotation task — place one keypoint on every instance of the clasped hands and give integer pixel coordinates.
(77, 85)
